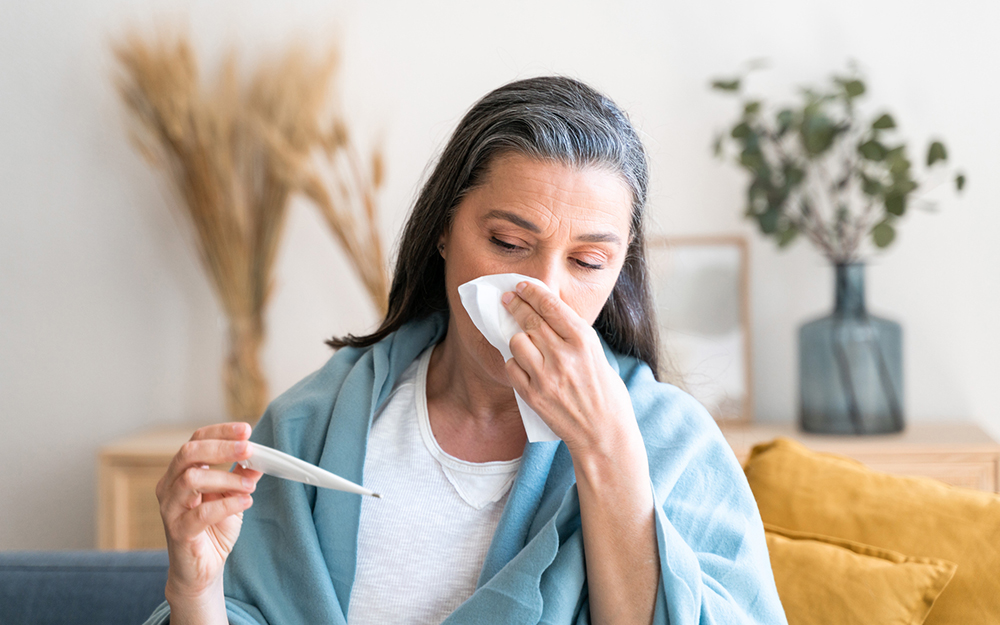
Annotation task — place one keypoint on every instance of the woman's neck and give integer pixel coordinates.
(473, 416)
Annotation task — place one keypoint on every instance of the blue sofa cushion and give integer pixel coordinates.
(67, 587)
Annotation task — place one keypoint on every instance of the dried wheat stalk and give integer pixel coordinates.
(234, 155)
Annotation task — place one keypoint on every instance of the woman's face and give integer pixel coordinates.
(568, 227)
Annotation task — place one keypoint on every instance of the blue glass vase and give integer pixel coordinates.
(851, 365)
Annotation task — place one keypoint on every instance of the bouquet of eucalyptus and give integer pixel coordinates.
(819, 169)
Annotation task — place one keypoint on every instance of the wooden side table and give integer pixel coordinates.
(128, 514)
(958, 453)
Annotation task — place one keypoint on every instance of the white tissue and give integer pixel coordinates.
(481, 298)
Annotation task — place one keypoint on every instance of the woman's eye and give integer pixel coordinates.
(587, 265)
(505, 245)
(510, 247)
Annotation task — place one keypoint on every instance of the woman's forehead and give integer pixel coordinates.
(539, 195)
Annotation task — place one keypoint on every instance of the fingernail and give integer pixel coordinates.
(248, 483)
(521, 286)
(506, 298)
(241, 447)
(245, 500)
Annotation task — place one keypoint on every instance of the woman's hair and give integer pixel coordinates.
(548, 118)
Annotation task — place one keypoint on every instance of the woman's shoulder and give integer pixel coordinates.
(653, 399)
(319, 388)
(682, 439)
(351, 374)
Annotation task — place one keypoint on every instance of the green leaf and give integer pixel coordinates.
(787, 235)
(873, 150)
(870, 186)
(959, 182)
(818, 133)
(785, 119)
(757, 195)
(935, 153)
(752, 158)
(899, 165)
(776, 199)
(895, 203)
(883, 234)
(884, 122)
(740, 130)
(792, 174)
(903, 185)
(853, 88)
(726, 85)
(751, 107)
(769, 221)
(717, 145)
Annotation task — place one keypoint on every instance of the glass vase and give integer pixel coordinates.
(851, 365)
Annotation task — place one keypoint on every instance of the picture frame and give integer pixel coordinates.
(701, 294)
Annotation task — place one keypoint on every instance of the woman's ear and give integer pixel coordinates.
(442, 243)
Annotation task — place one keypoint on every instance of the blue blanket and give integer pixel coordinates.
(295, 559)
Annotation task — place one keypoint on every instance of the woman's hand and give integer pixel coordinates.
(560, 369)
(202, 511)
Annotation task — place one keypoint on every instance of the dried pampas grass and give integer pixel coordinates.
(234, 154)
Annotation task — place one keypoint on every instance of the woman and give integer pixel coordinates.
(546, 178)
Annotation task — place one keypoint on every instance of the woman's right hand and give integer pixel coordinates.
(202, 511)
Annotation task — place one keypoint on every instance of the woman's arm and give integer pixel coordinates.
(559, 367)
(619, 530)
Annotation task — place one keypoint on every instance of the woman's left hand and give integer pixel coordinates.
(560, 369)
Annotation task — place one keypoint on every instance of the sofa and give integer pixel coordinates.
(85, 587)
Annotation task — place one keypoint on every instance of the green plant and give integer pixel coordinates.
(820, 170)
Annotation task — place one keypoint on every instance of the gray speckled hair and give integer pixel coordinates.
(550, 118)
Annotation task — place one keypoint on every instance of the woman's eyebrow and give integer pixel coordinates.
(600, 237)
(517, 220)
(521, 222)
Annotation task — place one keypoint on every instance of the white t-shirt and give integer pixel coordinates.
(422, 545)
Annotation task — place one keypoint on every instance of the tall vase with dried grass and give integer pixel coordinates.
(233, 156)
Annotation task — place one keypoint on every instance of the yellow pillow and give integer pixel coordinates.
(829, 580)
(827, 494)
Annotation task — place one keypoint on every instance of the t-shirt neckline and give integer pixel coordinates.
(446, 459)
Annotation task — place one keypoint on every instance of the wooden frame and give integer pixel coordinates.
(715, 368)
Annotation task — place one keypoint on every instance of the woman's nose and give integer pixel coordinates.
(551, 272)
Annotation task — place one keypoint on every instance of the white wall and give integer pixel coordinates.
(107, 325)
